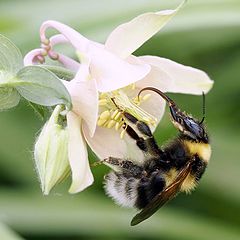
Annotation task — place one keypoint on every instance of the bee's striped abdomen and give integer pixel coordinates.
(133, 192)
(121, 189)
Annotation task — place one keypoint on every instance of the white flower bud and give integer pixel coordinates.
(51, 153)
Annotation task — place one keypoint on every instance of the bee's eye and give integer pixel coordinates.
(194, 127)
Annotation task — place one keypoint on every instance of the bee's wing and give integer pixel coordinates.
(163, 197)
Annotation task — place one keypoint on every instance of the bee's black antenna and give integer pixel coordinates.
(204, 107)
(169, 100)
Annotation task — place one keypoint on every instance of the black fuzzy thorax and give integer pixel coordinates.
(174, 156)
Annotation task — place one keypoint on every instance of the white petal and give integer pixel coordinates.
(85, 102)
(78, 157)
(156, 78)
(107, 143)
(128, 37)
(184, 79)
(111, 72)
(84, 96)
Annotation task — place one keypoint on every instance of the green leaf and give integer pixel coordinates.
(11, 59)
(40, 86)
(60, 72)
(10, 62)
(9, 97)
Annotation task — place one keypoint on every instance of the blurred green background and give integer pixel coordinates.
(205, 34)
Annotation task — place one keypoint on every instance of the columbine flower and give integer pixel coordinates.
(112, 70)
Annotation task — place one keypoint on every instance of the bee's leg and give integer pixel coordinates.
(144, 138)
(122, 165)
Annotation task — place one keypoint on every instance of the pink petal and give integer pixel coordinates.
(68, 62)
(31, 57)
(58, 39)
(111, 72)
(78, 157)
(128, 37)
(76, 39)
(184, 79)
(107, 143)
(84, 96)
(65, 60)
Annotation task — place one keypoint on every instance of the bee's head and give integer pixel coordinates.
(188, 126)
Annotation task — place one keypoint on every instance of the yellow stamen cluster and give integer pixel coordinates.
(113, 104)
(110, 118)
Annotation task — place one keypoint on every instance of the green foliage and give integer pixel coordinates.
(204, 34)
(10, 63)
(10, 56)
(40, 86)
(36, 84)
(9, 97)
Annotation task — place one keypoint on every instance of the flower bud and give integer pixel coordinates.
(51, 153)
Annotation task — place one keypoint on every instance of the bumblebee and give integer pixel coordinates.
(166, 171)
